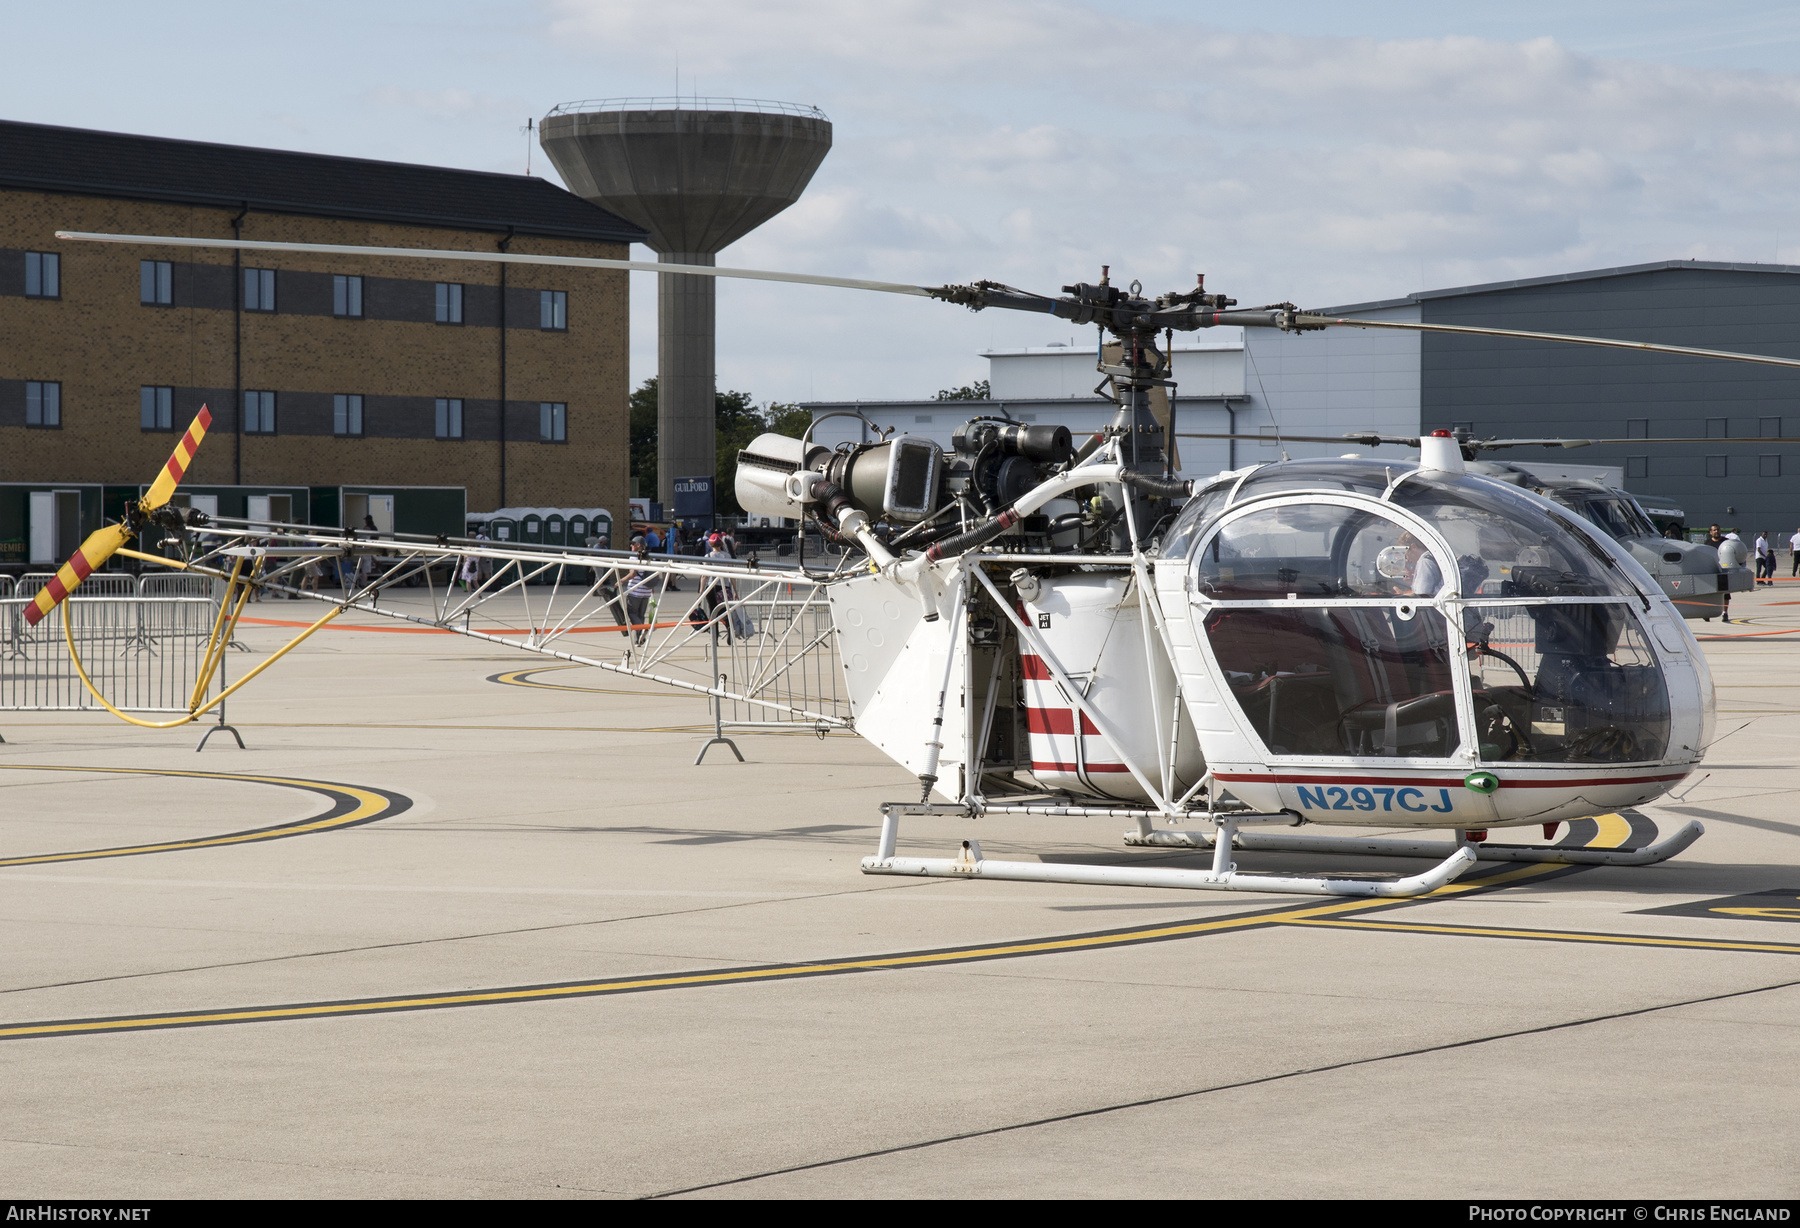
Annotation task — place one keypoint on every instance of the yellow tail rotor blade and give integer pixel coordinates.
(179, 460)
(90, 558)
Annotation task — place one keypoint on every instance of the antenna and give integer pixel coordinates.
(528, 129)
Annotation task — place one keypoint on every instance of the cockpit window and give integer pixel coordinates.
(1523, 548)
(1565, 684)
(1344, 680)
(1194, 518)
(1316, 550)
(1618, 517)
(1352, 475)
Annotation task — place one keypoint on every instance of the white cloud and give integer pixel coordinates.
(1034, 141)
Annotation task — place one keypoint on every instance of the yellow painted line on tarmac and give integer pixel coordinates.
(1615, 830)
(680, 980)
(522, 677)
(1329, 914)
(1624, 940)
(351, 806)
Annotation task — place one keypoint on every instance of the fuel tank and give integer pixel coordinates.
(1095, 628)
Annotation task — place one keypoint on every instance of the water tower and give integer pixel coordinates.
(697, 173)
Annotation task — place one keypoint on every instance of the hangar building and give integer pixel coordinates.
(1351, 379)
(1402, 383)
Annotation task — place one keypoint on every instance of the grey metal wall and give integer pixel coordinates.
(1513, 388)
(1330, 382)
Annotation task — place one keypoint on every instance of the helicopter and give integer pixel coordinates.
(1035, 626)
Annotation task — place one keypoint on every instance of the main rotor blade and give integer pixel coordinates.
(1485, 445)
(1361, 437)
(1489, 444)
(573, 262)
(1310, 320)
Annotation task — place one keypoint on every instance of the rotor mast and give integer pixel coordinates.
(1134, 322)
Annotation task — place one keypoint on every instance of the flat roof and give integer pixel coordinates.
(1624, 270)
(81, 161)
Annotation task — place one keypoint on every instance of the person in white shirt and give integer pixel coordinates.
(1732, 553)
(1765, 560)
(1794, 552)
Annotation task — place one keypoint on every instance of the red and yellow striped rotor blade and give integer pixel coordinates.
(90, 558)
(179, 460)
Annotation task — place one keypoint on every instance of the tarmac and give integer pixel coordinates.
(464, 923)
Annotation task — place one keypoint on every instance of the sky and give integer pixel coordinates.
(1320, 153)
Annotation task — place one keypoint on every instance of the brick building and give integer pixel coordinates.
(324, 374)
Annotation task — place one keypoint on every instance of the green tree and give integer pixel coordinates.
(736, 422)
(789, 420)
(978, 391)
(643, 438)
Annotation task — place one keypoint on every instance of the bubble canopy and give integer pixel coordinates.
(1323, 606)
(1502, 542)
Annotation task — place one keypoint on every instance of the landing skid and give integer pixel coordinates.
(1387, 847)
(1224, 875)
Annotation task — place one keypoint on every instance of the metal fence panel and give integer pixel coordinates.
(100, 584)
(782, 649)
(142, 654)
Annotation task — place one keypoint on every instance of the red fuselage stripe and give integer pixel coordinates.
(1505, 782)
(1057, 720)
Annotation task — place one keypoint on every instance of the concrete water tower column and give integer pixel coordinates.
(698, 174)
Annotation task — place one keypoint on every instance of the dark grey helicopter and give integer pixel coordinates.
(1688, 572)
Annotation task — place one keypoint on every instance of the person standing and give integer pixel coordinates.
(1794, 553)
(1732, 553)
(1765, 560)
(640, 587)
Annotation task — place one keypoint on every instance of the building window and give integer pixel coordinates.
(43, 275)
(346, 297)
(259, 289)
(1768, 466)
(259, 413)
(553, 419)
(156, 283)
(1715, 466)
(1637, 428)
(1715, 429)
(346, 414)
(156, 408)
(449, 303)
(449, 415)
(553, 310)
(1637, 466)
(43, 403)
(1769, 428)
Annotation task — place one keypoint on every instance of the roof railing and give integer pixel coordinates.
(689, 102)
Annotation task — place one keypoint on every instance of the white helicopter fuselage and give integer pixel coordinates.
(1344, 641)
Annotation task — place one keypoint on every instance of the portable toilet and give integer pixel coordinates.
(531, 528)
(554, 527)
(503, 529)
(578, 529)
